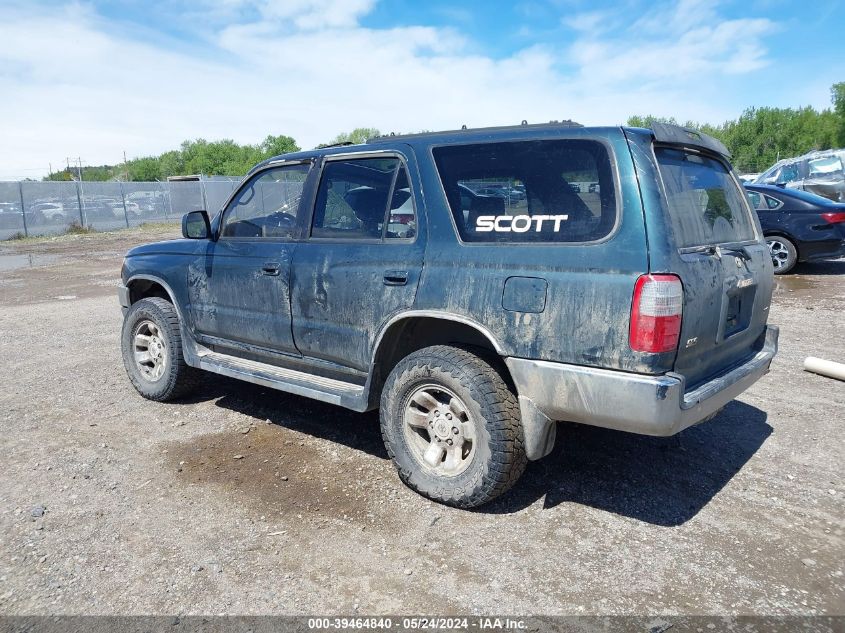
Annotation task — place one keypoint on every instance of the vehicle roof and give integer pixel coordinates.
(797, 194)
(388, 141)
(773, 189)
(552, 129)
(811, 155)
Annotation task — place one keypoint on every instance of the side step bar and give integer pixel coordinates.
(328, 390)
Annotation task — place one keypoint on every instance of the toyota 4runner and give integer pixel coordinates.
(476, 286)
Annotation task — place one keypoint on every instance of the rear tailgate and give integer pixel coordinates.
(714, 245)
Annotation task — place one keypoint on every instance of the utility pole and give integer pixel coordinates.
(78, 162)
(78, 187)
(125, 166)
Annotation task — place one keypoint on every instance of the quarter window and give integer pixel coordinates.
(529, 191)
(268, 205)
(773, 203)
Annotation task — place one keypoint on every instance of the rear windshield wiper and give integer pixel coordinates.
(717, 250)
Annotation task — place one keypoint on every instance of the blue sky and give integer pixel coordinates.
(95, 79)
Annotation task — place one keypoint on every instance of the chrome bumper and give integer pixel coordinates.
(649, 405)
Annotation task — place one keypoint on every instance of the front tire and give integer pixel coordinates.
(452, 427)
(784, 254)
(151, 342)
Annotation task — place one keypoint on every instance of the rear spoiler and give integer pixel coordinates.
(677, 135)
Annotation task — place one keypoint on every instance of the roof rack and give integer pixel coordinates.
(341, 144)
(464, 128)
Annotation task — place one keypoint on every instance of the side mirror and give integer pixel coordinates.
(195, 225)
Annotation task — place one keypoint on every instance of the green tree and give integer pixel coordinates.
(647, 120)
(837, 97)
(145, 169)
(59, 176)
(761, 136)
(276, 145)
(172, 164)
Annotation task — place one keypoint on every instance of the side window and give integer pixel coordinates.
(773, 203)
(788, 173)
(267, 206)
(825, 167)
(756, 199)
(364, 198)
(529, 191)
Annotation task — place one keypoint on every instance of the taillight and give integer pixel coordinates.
(834, 217)
(656, 314)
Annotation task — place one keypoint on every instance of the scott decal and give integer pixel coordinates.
(517, 223)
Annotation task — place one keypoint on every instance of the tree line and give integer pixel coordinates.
(210, 158)
(762, 136)
(756, 140)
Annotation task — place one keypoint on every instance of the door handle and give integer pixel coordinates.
(395, 277)
(270, 268)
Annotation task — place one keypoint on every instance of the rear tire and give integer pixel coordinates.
(452, 427)
(151, 342)
(784, 254)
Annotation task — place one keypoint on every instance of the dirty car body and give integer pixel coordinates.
(639, 305)
(821, 172)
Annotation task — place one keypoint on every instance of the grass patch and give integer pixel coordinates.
(75, 228)
(156, 226)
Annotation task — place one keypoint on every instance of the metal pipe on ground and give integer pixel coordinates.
(826, 368)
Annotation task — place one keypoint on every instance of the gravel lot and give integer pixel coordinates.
(243, 500)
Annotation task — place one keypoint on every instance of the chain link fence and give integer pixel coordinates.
(47, 208)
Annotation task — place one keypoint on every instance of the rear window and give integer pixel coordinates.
(705, 204)
(529, 191)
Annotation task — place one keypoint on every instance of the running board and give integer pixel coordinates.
(337, 392)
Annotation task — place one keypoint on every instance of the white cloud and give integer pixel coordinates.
(316, 14)
(590, 21)
(74, 84)
(685, 41)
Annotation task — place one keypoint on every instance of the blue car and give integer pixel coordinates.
(798, 226)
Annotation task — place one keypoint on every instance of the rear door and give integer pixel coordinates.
(362, 260)
(724, 266)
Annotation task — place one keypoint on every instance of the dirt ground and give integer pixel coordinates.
(243, 500)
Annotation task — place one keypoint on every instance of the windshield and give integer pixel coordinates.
(705, 204)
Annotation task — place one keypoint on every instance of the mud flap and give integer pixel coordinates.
(540, 432)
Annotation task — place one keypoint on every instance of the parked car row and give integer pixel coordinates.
(94, 208)
(511, 194)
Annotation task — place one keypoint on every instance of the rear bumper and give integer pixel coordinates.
(648, 405)
(828, 249)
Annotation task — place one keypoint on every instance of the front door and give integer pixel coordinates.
(239, 288)
(362, 261)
